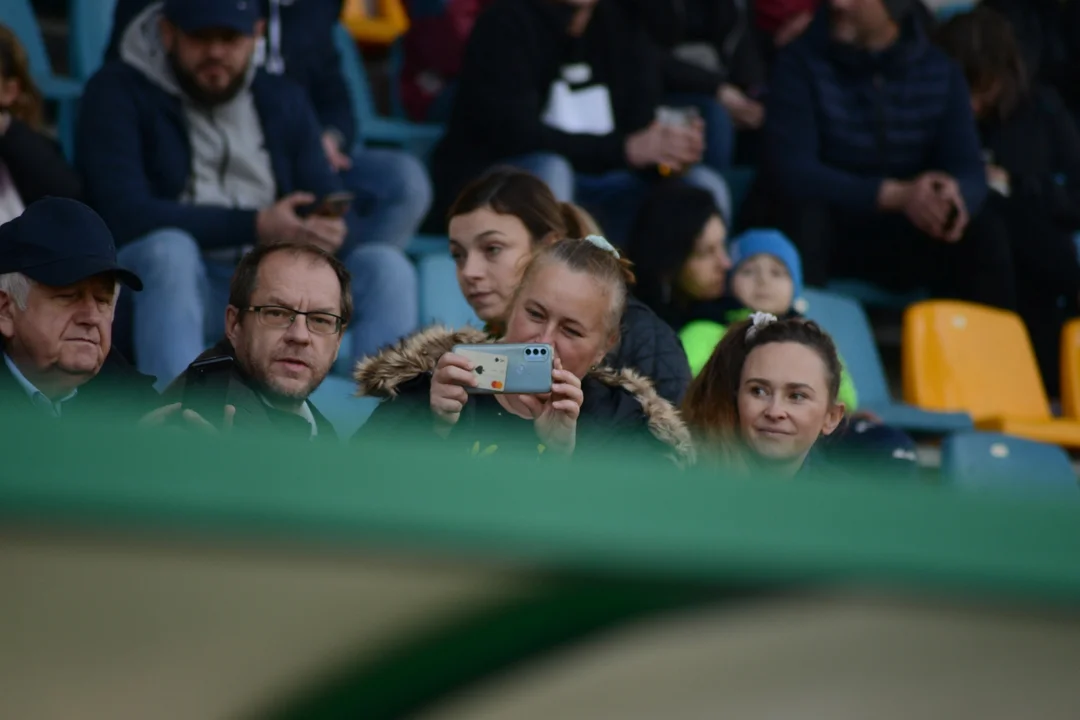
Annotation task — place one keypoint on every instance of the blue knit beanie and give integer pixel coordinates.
(771, 242)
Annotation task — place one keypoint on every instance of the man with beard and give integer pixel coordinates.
(192, 155)
(289, 304)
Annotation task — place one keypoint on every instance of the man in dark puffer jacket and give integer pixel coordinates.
(874, 160)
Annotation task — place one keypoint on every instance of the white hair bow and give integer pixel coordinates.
(757, 321)
(603, 244)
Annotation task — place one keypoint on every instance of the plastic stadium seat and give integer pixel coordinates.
(19, 16)
(873, 295)
(1070, 369)
(991, 460)
(89, 28)
(336, 400)
(961, 356)
(441, 301)
(844, 319)
(416, 138)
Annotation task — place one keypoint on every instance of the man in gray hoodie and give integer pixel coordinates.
(192, 156)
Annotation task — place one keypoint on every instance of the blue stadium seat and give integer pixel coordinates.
(441, 300)
(336, 400)
(416, 138)
(89, 28)
(19, 16)
(873, 295)
(844, 319)
(990, 460)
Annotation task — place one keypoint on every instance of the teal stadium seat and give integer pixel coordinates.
(985, 461)
(844, 319)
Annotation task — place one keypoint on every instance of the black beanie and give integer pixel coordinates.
(899, 9)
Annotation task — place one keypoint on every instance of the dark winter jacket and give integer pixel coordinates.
(307, 47)
(134, 154)
(36, 165)
(841, 120)
(515, 53)
(650, 346)
(620, 405)
(118, 392)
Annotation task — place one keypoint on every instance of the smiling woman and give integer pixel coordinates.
(767, 394)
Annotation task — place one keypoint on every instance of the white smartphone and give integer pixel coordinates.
(520, 368)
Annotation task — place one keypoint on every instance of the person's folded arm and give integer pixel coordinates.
(504, 107)
(110, 158)
(682, 77)
(957, 148)
(793, 147)
(37, 166)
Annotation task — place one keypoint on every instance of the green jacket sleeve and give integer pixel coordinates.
(699, 338)
(847, 395)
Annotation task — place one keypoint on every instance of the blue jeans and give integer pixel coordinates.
(393, 194)
(613, 197)
(181, 309)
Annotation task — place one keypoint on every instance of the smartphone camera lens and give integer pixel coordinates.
(543, 351)
(528, 351)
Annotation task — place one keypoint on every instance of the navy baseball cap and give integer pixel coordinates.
(193, 16)
(58, 242)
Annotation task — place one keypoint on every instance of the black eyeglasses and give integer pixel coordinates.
(275, 316)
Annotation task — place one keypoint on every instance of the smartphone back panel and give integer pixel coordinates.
(523, 368)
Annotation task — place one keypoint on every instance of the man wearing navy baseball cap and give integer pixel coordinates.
(59, 283)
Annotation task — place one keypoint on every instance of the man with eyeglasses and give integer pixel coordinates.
(289, 304)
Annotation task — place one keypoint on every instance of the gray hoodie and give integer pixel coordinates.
(230, 166)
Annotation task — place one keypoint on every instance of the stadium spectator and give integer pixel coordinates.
(691, 279)
(766, 396)
(1048, 32)
(392, 187)
(59, 282)
(571, 296)
(31, 164)
(873, 160)
(569, 90)
(289, 304)
(192, 155)
(499, 221)
(719, 64)
(1032, 150)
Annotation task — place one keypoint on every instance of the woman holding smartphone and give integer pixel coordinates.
(571, 296)
(506, 215)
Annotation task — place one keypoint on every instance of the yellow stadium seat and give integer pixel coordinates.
(380, 24)
(1070, 369)
(963, 357)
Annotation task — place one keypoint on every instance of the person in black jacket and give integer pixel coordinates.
(289, 305)
(499, 221)
(570, 91)
(59, 282)
(1032, 149)
(392, 186)
(571, 296)
(31, 164)
(1048, 32)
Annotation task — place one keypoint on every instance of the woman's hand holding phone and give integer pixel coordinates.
(452, 375)
(555, 418)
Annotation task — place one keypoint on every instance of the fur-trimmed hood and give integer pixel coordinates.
(384, 374)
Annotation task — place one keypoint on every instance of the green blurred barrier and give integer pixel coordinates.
(616, 536)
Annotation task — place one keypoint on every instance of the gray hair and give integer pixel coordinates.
(17, 287)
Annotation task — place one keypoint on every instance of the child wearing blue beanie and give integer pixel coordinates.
(766, 272)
